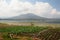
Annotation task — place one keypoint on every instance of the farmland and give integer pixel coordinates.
(14, 32)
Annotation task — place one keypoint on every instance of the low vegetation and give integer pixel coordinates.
(10, 32)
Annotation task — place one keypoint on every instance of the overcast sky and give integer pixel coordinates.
(44, 8)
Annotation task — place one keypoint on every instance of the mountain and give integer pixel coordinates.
(28, 16)
(32, 17)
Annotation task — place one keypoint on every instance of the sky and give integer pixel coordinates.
(43, 8)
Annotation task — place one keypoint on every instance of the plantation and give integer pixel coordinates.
(17, 29)
(28, 32)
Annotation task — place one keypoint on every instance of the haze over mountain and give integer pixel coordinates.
(34, 17)
(28, 16)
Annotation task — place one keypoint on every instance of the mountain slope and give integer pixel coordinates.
(28, 16)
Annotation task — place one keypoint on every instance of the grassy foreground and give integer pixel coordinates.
(28, 33)
(17, 29)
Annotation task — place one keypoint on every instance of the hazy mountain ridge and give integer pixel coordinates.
(28, 16)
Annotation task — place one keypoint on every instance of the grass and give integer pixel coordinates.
(50, 33)
(5, 29)
(17, 29)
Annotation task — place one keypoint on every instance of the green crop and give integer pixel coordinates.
(17, 29)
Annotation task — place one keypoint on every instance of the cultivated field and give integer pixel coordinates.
(30, 32)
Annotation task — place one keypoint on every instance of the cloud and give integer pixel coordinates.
(16, 7)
